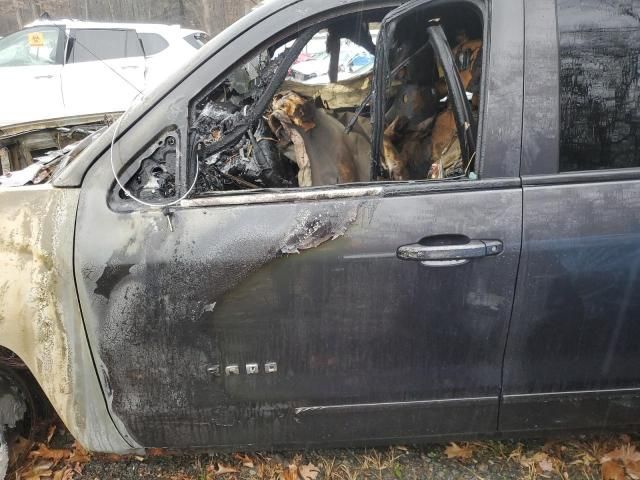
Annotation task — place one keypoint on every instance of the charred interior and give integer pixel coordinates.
(421, 138)
(157, 172)
(300, 113)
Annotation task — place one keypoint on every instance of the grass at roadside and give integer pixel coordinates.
(54, 455)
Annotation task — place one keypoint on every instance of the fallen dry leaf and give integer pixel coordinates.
(456, 451)
(517, 454)
(19, 448)
(220, 469)
(55, 454)
(155, 452)
(633, 470)
(244, 459)
(539, 462)
(80, 455)
(546, 465)
(308, 471)
(290, 472)
(65, 474)
(53, 464)
(626, 453)
(612, 471)
(36, 471)
(584, 458)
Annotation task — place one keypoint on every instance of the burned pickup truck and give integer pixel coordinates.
(260, 253)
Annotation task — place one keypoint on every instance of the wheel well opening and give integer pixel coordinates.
(19, 384)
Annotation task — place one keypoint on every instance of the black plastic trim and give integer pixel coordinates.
(594, 176)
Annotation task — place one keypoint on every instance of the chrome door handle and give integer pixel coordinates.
(446, 251)
(38, 77)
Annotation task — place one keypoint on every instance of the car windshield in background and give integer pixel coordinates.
(30, 47)
(312, 66)
(197, 40)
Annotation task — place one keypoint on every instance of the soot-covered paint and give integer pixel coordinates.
(346, 322)
(351, 327)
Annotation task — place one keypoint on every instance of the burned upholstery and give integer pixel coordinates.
(321, 150)
(302, 134)
(446, 152)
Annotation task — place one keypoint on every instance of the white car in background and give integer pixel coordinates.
(63, 68)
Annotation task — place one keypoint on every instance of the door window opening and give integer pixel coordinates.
(421, 137)
(298, 113)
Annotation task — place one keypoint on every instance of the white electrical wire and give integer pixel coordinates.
(124, 189)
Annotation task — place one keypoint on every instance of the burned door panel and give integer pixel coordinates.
(347, 324)
(287, 320)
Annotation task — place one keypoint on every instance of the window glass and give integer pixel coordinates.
(599, 84)
(38, 46)
(90, 45)
(153, 43)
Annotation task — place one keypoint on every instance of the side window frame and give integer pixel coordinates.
(62, 41)
(186, 169)
(498, 114)
(72, 44)
(131, 36)
(479, 5)
(381, 70)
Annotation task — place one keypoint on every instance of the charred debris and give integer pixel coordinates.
(31, 154)
(264, 128)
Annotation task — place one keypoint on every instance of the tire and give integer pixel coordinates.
(4, 453)
(16, 405)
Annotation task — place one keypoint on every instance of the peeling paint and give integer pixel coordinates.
(40, 319)
(314, 229)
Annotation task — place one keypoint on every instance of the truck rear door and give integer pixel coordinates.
(572, 355)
